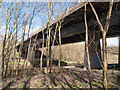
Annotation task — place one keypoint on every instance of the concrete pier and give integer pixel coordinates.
(119, 52)
(94, 51)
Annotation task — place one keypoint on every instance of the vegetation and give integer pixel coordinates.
(31, 58)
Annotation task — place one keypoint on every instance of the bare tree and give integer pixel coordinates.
(21, 45)
(31, 19)
(23, 35)
(48, 38)
(59, 29)
(43, 41)
(4, 40)
(53, 43)
(0, 13)
(104, 32)
(87, 50)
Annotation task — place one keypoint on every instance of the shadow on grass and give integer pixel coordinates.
(26, 84)
(110, 66)
(26, 74)
(54, 63)
(8, 85)
(62, 63)
(64, 79)
(114, 66)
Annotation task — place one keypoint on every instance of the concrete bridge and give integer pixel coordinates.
(73, 30)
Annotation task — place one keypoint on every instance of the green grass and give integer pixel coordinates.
(75, 85)
(98, 83)
(79, 62)
(21, 62)
(112, 84)
(80, 84)
(70, 61)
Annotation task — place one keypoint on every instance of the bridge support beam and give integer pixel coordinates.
(119, 52)
(94, 51)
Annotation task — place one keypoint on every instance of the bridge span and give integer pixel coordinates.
(73, 30)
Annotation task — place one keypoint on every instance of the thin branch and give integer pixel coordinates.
(108, 16)
(98, 20)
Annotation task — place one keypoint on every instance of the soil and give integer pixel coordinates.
(68, 77)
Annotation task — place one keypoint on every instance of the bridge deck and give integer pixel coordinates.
(73, 29)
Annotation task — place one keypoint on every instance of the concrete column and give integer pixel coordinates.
(119, 51)
(30, 54)
(34, 55)
(94, 51)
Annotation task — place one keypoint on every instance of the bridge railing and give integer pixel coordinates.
(63, 12)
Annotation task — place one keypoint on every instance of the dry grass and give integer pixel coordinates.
(73, 77)
(67, 78)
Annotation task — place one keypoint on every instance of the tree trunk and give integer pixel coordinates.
(104, 32)
(4, 40)
(48, 39)
(41, 63)
(87, 50)
(53, 43)
(59, 46)
(105, 75)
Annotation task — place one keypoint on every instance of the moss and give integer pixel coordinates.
(75, 85)
(97, 83)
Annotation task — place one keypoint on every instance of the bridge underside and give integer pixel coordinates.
(94, 48)
(73, 30)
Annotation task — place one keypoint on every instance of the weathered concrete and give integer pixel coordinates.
(30, 52)
(119, 51)
(34, 55)
(73, 30)
(94, 51)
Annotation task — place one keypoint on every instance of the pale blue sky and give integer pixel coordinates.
(37, 20)
(40, 15)
(110, 41)
(113, 41)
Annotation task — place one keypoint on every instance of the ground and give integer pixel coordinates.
(68, 77)
(71, 76)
